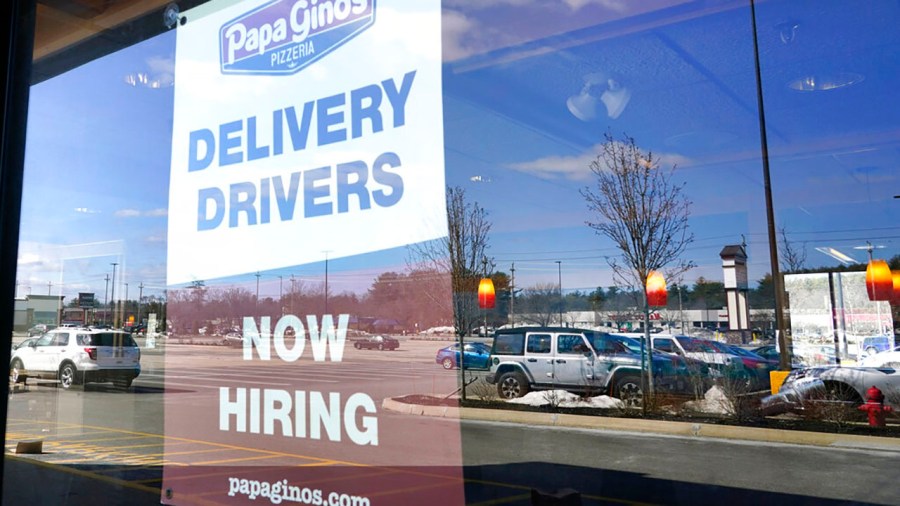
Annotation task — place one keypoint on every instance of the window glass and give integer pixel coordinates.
(571, 344)
(664, 345)
(539, 343)
(280, 214)
(509, 344)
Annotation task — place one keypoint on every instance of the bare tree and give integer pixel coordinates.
(644, 213)
(539, 304)
(460, 256)
(792, 257)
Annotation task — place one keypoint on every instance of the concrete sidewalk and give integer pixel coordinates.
(637, 425)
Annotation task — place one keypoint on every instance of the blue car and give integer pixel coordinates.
(478, 356)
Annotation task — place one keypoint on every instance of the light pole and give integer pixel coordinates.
(777, 282)
(106, 300)
(112, 296)
(281, 294)
(559, 271)
(257, 293)
(140, 300)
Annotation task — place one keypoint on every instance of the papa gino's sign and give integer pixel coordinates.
(273, 165)
(284, 36)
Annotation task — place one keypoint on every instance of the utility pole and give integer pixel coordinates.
(559, 270)
(125, 306)
(49, 284)
(112, 296)
(106, 300)
(292, 294)
(281, 294)
(326, 280)
(512, 295)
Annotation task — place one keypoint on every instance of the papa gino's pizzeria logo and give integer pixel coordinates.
(284, 36)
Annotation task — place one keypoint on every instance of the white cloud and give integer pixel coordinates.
(134, 213)
(455, 27)
(577, 168)
(613, 5)
(86, 210)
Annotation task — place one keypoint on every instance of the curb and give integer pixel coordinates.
(682, 429)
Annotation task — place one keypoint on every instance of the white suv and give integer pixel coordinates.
(79, 355)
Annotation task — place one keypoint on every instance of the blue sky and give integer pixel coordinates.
(96, 178)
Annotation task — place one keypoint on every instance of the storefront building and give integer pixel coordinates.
(258, 221)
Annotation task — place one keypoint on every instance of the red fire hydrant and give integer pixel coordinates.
(875, 407)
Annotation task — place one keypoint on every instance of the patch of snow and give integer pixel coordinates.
(439, 330)
(714, 401)
(566, 399)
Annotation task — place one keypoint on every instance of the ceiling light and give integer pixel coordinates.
(825, 82)
(598, 88)
(837, 255)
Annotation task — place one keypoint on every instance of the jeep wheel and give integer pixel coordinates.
(67, 376)
(447, 363)
(357, 345)
(512, 385)
(629, 391)
(380, 347)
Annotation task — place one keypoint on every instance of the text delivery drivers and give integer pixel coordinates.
(363, 111)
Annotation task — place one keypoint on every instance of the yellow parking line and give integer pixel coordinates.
(161, 443)
(101, 440)
(189, 452)
(239, 459)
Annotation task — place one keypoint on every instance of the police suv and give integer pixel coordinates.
(76, 355)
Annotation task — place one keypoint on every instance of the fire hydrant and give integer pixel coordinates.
(875, 407)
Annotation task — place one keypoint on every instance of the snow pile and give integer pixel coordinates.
(714, 401)
(438, 330)
(566, 399)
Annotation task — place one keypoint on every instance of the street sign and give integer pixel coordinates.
(85, 300)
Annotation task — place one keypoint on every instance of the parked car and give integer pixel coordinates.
(875, 344)
(40, 329)
(76, 355)
(233, 339)
(581, 360)
(139, 328)
(834, 385)
(889, 358)
(703, 350)
(377, 343)
(756, 366)
(477, 356)
(770, 352)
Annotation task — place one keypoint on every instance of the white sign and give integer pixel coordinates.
(301, 127)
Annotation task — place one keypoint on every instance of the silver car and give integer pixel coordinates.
(833, 384)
